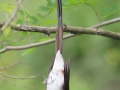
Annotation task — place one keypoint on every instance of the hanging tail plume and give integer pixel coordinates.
(59, 32)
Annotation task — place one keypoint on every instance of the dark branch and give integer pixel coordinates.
(70, 29)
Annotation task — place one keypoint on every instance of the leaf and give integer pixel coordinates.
(72, 1)
(7, 10)
(115, 7)
(65, 2)
(44, 8)
(33, 18)
(90, 2)
(19, 21)
(28, 51)
(21, 12)
(49, 3)
(24, 33)
(7, 31)
(109, 10)
(7, 7)
(49, 22)
(24, 13)
(38, 14)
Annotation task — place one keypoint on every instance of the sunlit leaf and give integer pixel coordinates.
(7, 10)
(7, 7)
(72, 1)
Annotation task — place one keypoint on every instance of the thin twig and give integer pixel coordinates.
(15, 84)
(23, 78)
(106, 23)
(20, 85)
(96, 13)
(7, 48)
(7, 67)
(13, 15)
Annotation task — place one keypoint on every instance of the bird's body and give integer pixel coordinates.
(59, 73)
(55, 79)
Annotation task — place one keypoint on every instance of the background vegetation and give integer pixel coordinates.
(95, 60)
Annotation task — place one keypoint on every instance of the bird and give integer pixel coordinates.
(55, 79)
(59, 72)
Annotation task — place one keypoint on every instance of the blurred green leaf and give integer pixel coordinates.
(90, 2)
(21, 12)
(7, 31)
(7, 7)
(19, 21)
(110, 10)
(72, 1)
(24, 12)
(38, 14)
(44, 8)
(24, 33)
(7, 10)
(49, 22)
(34, 19)
(65, 2)
(49, 3)
(28, 51)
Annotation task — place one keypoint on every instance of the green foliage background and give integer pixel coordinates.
(95, 60)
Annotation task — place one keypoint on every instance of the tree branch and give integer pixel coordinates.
(106, 23)
(13, 15)
(15, 84)
(19, 77)
(7, 67)
(70, 29)
(74, 30)
(7, 48)
(20, 85)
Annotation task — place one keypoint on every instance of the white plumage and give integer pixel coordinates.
(55, 79)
